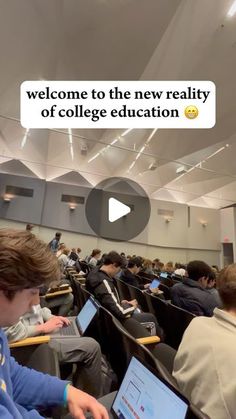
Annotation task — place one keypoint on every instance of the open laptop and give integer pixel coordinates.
(164, 275)
(143, 395)
(79, 323)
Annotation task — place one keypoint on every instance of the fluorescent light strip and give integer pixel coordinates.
(72, 151)
(232, 10)
(131, 166)
(151, 135)
(103, 149)
(126, 132)
(142, 149)
(94, 157)
(70, 136)
(199, 165)
(23, 142)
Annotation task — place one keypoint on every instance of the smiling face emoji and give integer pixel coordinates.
(191, 112)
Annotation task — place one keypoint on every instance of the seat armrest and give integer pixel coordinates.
(57, 293)
(148, 340)
(36, 340)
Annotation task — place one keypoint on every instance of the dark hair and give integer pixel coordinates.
(212, 276)
(58, 235)
(25, 262)
(113, 258)
(226, 285)
(197, 269)
(95, 252)
(135, 262)
(29, 227)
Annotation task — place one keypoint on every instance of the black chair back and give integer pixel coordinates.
(166, 355)
(123, 290)
(179, 320)
(84, 267)
(166, 291)
(130, 347)
(137, 294)
(79, 296)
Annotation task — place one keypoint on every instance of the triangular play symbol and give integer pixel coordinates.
(116, 210)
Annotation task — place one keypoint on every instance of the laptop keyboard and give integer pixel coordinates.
(68, 330)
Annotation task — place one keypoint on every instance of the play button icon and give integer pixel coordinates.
(117, 209)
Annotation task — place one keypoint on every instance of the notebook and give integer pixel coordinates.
(79, 323)
(143, 395)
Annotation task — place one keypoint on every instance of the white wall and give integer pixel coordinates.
(168, 241)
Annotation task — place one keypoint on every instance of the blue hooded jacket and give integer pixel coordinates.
(23, 390)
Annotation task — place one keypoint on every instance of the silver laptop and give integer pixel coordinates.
(142, 395)
(79, 323)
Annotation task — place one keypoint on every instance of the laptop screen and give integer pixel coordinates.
(164, 274)
(155, 283)
(86, 315)
(144, 396)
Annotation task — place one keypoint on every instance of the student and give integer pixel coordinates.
(83, 351)
(26, 263)
(191, 294)
(129, 275)
(94, 258)
(100, 283)
(55, 242)
(205, 366)
(29, 227)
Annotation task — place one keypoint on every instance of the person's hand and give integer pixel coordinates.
(79, 403)
(134, 303)
(51, 325)
(65, 320)
(124, 302)
(147, 285)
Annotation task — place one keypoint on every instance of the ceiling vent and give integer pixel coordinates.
(83, 149)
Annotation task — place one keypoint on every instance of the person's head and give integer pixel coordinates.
(211, 280)
(177, 265)
(112, 263)
(156, 262)
(26, 263)
(215, 268)
(147, 263)
(169, 267)
(29, 227)
(66, 251)
(61, 247)
(226, 285)
(122, 254)
(135, 265)
(96, 253)
(78, 250)
(199, 271)
(58, 236)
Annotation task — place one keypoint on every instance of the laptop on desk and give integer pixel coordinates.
(143, 395)
(80, 323)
